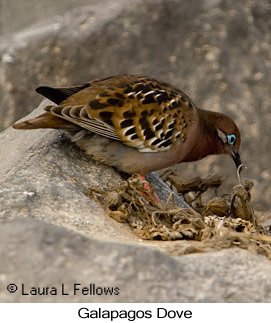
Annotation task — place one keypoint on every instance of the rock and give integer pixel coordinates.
(49, 256)
(41, 172)
(20, 15)
(52, 233)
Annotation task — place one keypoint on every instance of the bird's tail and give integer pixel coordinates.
(46, 120)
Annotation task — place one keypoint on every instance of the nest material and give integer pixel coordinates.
(222, 222)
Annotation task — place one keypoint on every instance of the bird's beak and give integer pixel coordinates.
(236, 157)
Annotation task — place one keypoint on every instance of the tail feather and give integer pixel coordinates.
(46, 120)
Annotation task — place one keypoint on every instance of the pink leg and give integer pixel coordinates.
(147, 187)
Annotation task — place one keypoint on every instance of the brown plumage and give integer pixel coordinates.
(137, 124)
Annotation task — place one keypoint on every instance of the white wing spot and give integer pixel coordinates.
(150, 92)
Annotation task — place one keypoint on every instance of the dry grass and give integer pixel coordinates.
(221, 222)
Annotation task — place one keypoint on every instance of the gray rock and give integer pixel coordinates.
(41, 172)
(49, 256)
(51, 233)
(18, 15)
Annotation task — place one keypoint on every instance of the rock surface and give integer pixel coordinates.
(18, 15)
(51, 233)
(49, 256)
(41, 174)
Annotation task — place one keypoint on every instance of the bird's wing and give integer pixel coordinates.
(141, 112)
(78, 115)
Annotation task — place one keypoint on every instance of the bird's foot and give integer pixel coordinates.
(148, 191)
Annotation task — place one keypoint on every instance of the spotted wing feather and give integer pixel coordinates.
(141, 112)
(145, 113)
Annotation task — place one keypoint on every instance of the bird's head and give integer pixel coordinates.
(228, 138)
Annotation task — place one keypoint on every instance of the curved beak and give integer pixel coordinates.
(236, 157)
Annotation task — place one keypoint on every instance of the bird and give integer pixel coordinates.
(136, 124)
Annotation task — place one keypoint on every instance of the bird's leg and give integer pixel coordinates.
(147, 188)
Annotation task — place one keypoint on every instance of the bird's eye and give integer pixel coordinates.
(231, 139)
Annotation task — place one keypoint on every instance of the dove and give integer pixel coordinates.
(137, 124)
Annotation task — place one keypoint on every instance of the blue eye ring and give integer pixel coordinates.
(231, 139)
